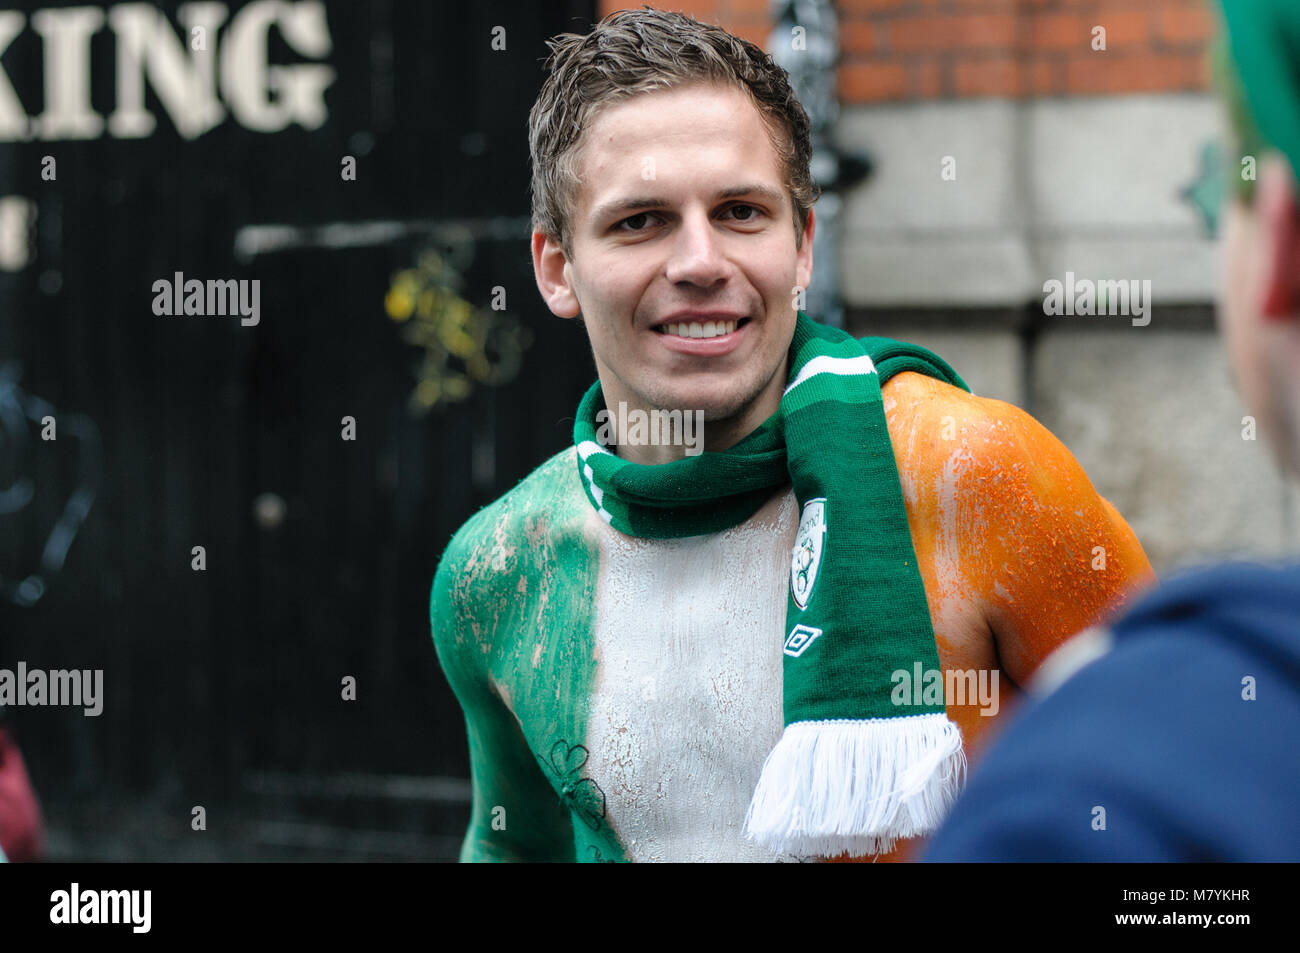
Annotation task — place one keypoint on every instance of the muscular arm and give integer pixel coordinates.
(1007, 529)
(532, 825)
(1007, 522)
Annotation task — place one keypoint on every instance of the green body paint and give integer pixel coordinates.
(512, 613)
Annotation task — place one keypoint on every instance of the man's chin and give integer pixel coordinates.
(729, 400)
(714, 399)
(721, 413)
(724, 408)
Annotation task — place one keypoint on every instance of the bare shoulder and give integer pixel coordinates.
(998, 502)
(989, 458)
(496, 562)
(930, 419)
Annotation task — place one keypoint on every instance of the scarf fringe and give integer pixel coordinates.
(835, 787)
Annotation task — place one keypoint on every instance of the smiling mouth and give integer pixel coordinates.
(701, 329)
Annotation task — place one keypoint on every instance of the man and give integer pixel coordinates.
(645, 671)
(1178, 741)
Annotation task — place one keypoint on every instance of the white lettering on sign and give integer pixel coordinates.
(196, 82)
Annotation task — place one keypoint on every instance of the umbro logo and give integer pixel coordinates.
(801, 636)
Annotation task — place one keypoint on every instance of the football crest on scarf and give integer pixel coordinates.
(808, 545)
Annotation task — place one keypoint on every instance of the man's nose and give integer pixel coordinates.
(696, 254)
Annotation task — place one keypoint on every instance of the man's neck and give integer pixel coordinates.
(712, 436)
(700, 435)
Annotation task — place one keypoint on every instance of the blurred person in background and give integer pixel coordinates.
(1174, 733)
(22, 832)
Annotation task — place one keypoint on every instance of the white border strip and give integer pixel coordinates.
(825, 364)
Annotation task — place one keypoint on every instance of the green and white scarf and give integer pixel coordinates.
(852, 771)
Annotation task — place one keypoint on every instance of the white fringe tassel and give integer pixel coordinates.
(835, 787)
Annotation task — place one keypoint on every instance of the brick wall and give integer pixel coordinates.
(749, 19)
(895, 50)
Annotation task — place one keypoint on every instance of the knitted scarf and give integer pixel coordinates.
(853, 770)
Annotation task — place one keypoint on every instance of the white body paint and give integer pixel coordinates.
(686, 702)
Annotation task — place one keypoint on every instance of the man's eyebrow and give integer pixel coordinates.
(617, 207)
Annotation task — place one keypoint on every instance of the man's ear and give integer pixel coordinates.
(1277, 205)
(804, 257)
(551, 269)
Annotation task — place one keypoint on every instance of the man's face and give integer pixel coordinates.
(683, 256)
(1264, 353)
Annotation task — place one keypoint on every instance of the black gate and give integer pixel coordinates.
(321, 457)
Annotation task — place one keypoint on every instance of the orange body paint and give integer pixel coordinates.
(1017, 549)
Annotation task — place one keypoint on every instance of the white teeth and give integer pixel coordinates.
(694, 329)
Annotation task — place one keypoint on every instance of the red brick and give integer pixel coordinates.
(988, 6)
(1201, 71)
(1183, 24)
(1124, 28)
(848, 8)
(952, 32)
(1060, 31)
(756, 8)
(756, 31)
(857, 36)
(1045, 77)
(1131, 73)
(706, 11)
(987, 76)
(927, 79)
(872, 82)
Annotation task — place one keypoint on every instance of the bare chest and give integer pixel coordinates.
(686, 702)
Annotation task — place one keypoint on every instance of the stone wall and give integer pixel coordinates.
(1091, 186)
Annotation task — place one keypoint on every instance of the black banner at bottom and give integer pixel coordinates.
(333, 903)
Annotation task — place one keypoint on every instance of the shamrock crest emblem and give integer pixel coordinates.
(807, 556)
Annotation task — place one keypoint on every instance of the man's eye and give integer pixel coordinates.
(634, 218)
(747, 218)
(633, 222)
